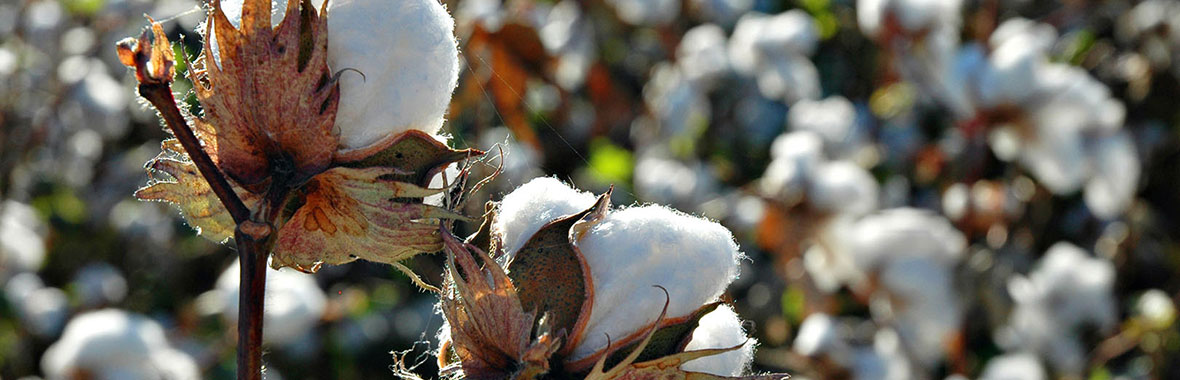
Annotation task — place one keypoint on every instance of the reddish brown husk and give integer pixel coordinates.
(269, 101)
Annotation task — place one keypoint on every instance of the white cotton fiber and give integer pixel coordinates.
(408, 54)
(634, 249)
(528, 208)
(905, 233)
(721, 328)
(114, 344)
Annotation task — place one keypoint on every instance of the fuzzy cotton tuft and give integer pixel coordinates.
(634, 249)
(114, 344)
(408, 54)
(721, 328)
(528, 208)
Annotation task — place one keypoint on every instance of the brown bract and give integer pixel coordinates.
(269, 100)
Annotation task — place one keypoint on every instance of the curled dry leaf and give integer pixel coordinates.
(491, 334)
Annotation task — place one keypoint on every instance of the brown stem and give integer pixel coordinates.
(250, 236)
(251, 239)
(160, 95)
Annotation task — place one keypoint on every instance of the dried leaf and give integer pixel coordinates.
(269, 99)
(554, 277)
(349, 213)
(491, 333)
(183, 186)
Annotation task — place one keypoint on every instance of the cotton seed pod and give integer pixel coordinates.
(591, 279)
(330, 192)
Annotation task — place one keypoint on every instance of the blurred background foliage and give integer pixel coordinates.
(603, 93)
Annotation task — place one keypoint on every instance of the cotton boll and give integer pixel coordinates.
(1057, 159)
(843, 187)
(1068, 289)
(44, 311)
(818, 335)
(833, 118)
(114, 344)
(793, 32)
(1018, 366)
(701, 55)
(721, 328)
(634, 249)
(789, 79)
(410, 60)
(1112, 187)
(870, 15)
(904, 233)
(294, 302)
(926, 311)
(528, 208)
(1012, 73)
(676, 102)
(742, 49)
(1027, 34)
(1156, 307)
(22, 238)
(802, 146)
(646, 12)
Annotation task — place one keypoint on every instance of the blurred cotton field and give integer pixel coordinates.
(919, 189)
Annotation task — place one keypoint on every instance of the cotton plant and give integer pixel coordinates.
(1068, 290)
(116, 344)
(317, 135)
(1057, 121)
(774, 50)
(578, 287)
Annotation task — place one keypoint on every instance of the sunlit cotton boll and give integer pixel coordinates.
(1069, 289)
(628, 253)
(701, 55)
(668, 181)
(407, 58)
(114, 344)
(774, 50)
(905, 233)
(22, 238)
(528, 208)
(638, 247)
(646, 12)
(913, 16)
(677, 103)
(833, 118)
(721, 328)
(294, 302)
(1018, 366)
(42, 310)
